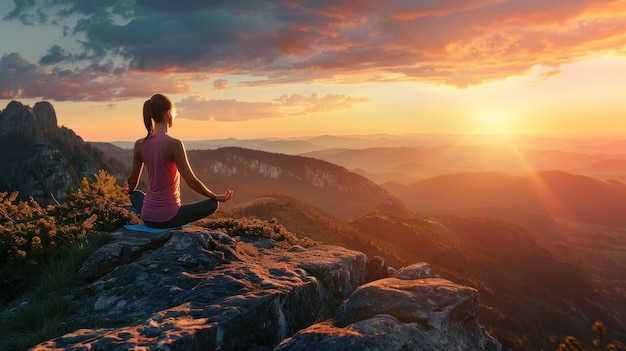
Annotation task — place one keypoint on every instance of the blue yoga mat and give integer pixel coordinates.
(144, 228)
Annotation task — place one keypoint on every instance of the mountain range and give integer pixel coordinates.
(406, 159)
(406, 165)
(554, 194)
(544, 245)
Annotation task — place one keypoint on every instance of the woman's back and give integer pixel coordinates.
(163, 196)
(166, 160)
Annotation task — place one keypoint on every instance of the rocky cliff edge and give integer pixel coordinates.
(198, 289)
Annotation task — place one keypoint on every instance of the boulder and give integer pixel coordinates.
(377, 268)
(418, 270)
(413, 310)
(432, 302)
(381, 332)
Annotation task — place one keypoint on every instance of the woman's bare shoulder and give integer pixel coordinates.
(172, 145)
(138, 151)
(139, 144)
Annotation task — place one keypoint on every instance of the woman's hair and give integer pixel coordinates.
(154, 109)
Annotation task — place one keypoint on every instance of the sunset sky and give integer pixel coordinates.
(252, 69)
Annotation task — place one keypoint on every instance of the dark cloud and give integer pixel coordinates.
(454, 42)
(55, 55)
(21, 78)
(26, 12)
(169, 6)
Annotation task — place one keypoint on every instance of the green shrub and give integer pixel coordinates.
(42, 247)
(28, 238)
(32, 236)
(100, 197)
(252, 227)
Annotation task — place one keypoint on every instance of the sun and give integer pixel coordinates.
(494, 123)
(493, 118)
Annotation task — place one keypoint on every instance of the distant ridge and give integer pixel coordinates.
(250, 173)
(552, 193)
(408, 164)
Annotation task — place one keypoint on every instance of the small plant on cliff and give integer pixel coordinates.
(29, 239)
(100, 196)
(252, 227)
(572, 344)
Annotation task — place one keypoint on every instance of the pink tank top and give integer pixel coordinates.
(162, 199)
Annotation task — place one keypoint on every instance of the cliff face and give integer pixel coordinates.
(343, 193)
(42, 160)
(37, 171)
(195, 289)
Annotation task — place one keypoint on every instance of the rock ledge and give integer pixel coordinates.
(194, 289)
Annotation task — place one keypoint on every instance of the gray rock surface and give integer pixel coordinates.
(413, 310)
(195, 289)
(418, 270)
(45, 115)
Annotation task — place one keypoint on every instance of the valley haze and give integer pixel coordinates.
(408, 158)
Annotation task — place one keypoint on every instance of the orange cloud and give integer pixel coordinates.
(220, 84)
(318, 103)
(200, 108)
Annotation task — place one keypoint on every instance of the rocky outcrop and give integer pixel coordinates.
(45, 115)
(16, 117)
(41, 160)
(195, 289)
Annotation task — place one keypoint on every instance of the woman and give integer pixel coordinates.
(166, 160)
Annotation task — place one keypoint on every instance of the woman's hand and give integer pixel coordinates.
(224, 197)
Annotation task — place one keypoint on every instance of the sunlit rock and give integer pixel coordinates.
(196, 289)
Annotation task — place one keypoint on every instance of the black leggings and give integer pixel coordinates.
(186, 213)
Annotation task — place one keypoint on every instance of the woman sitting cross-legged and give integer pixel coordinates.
(166, 161)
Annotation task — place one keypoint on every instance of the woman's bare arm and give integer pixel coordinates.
(176, 149)
(137, 167)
